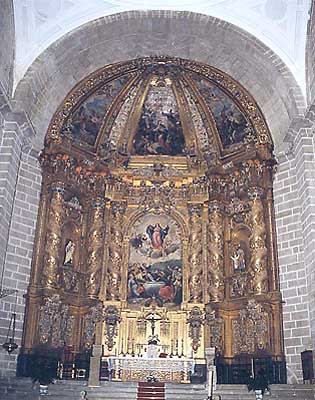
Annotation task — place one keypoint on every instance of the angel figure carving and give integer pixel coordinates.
(157, 235)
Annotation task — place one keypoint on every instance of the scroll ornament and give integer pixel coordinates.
(93, 316)
(216, 327)
(250, 330)
(195, 320)
(98, 314)
(55, 322)
(112, 319)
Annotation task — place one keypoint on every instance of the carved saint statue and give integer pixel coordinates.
(238, 259)
(69, 252)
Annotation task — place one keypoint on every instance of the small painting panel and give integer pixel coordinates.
(86, 121)
(159, 129)
(155, 262)
(230, 121)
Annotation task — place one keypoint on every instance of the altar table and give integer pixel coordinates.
(139, 368)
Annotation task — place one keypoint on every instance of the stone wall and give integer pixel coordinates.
(20, 181)
(292, 235)
(187, 35)
(7, 46)
(310, 56)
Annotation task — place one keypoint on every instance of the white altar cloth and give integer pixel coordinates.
(185, 365)
(140, 368)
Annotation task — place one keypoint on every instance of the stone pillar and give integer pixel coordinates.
(53, 238)
(215, 267)
(195, 281)
(95, 365)
(95, 246)
(257, 243)
(211, 370)
(115, 251)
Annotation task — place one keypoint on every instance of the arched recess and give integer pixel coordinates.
(179, 34)
(219, 181)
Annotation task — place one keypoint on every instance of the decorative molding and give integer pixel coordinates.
(195, 321)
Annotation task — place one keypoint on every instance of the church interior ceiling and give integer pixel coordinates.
(157, 198)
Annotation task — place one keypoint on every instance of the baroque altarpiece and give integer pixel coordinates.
(157, 204)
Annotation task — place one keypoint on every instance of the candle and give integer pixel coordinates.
(122, 347)
(209, 384)
(253, 368)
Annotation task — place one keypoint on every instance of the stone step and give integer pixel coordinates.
(22, 389)
(288, 392)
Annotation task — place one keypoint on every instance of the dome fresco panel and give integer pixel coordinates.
(159, 129)
(86, 121)
(230, 121)
(154, 108)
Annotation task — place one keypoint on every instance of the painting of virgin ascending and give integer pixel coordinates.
(155, 262)
(159, 129)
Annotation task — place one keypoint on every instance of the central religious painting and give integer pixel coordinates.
(155, 262)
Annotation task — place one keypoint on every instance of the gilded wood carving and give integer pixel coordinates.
(156, 174)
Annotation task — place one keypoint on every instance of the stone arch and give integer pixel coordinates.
(178, 34)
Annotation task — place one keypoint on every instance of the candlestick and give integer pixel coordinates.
(171, 354)
(182, 355)
(122, 347)
(128, 345)
(133, 348)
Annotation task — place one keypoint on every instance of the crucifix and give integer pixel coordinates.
(151, 318)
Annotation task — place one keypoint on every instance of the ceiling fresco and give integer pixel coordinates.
(86, 121)
(159, 107)
(230, 121)
(159, 129)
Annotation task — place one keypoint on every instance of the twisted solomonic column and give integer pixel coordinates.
(195, 281)
(215, 270)
(95, 246)
(115, 251)
(56, 217)
(257, 242)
